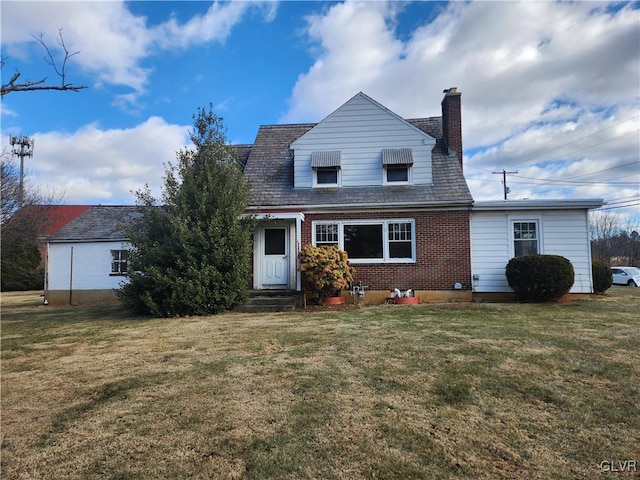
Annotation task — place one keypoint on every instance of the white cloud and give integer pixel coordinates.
(93, 163)
(534, 77)
(113, 41)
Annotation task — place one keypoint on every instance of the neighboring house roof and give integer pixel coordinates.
(49, 218)
(59, 215)
(99, 223)
(269, 168)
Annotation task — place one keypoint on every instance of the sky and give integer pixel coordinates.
(550, 90)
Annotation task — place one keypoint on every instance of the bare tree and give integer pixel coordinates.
(614, 240)
(58, 67)
(25, 216)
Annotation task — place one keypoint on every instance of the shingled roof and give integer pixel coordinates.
(269, 167)
(99, 223)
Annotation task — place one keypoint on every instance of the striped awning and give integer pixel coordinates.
(397, 156)
(325, 159)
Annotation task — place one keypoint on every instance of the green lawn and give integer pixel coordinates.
(475, 391)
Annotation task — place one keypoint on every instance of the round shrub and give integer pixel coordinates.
(540, 278)
(602, 277)
(325, 270)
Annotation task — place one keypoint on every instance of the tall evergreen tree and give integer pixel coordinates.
(190, 254)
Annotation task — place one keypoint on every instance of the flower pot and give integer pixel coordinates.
(407, 300)
(332, 300)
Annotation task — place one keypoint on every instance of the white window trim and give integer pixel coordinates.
(119, 261)
(409, 175)
(511, 219)
(385, 237)
(327, 185)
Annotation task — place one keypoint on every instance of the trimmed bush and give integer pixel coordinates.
(602, 277)
(325, 270)
(540, 278)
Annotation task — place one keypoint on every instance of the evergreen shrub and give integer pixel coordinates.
(602, 277)
(540, 278)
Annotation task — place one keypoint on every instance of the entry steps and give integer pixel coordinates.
(270, 301)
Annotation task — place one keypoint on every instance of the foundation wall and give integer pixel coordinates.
(82, 297)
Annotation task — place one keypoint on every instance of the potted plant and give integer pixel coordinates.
(325, 272)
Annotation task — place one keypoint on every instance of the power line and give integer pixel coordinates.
(546, 181)
(582, 138)
(616, 207)
(504, 174)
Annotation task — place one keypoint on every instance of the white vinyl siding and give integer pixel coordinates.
(360, 130)
(561, 232)
(84, 266)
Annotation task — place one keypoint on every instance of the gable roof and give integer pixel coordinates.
(355, 103)
(270, 163)
(48, 218)
(59, 215)
(97, 223)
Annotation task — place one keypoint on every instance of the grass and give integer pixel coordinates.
(471, 391)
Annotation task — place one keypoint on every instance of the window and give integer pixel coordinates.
(525, 238)
(367, 241)
(397, 163)
(326, 169)
(275, 241)
(400, 240)
(397, 173)
(119, 260)
(326, 234)
(363, 241)
(327, 176)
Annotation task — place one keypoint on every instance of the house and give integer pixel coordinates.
(86, 259)
(502, 230)
(57, 216)
(388, 190)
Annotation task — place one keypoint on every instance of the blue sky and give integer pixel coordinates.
(550, 89)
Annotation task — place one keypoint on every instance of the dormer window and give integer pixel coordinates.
(397, 163)
(326, 169)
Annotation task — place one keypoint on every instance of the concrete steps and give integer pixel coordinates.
(270, 301)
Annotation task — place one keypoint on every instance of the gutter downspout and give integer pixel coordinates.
(71, 279)
(46, 275)
(298, 248)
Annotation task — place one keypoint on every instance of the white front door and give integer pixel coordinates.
(275, 257)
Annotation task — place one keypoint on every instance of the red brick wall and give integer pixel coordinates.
(452, 122)
(443, 252)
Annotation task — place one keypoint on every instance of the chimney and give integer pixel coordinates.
(452, 123)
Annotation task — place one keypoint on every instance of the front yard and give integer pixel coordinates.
(472, 391)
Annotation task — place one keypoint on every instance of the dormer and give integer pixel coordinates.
(326, 169)
(362, 143)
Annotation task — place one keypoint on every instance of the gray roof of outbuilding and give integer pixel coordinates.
(98, 223)
(269, 168)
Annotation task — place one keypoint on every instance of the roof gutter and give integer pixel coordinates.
(443, 205)
(551, 204)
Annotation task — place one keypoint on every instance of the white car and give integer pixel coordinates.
(626, 276)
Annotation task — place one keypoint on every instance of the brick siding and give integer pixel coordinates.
(442, 257)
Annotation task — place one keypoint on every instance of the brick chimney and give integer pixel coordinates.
(452, 123)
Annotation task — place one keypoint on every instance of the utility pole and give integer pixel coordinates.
(22, 147)
(504, 174)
